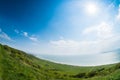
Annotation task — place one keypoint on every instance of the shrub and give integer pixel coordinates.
(7, 48)
(117, 66)
(100, 69)
(80, 75)
(91, 74)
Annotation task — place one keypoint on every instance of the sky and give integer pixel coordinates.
(60, 27)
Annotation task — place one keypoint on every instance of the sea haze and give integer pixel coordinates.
(85, 60)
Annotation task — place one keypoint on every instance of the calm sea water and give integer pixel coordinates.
(85, 60)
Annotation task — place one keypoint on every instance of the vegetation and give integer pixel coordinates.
(17, 65)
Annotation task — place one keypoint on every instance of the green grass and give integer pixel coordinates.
(18, 65)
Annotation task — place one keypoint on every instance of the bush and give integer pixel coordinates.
(117, 66)
(7, 48)
(91, 74)
(80, 75)
(100, 69)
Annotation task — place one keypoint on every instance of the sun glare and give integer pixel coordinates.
(91, 8)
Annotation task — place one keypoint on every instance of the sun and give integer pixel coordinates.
(91, 8)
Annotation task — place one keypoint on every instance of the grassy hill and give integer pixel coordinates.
(18, 65)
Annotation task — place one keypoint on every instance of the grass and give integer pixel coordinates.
(18, 65)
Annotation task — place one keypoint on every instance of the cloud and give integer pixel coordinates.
(31, 37)
(3, 35)
(65, 43)
(64, 47)
(101, 31)
(118, 16)
(16, 31)
(72, 47)
(25, 34)
(105, 40)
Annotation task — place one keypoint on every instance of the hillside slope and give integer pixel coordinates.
(17, 65)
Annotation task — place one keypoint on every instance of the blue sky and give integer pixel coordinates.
(60, 27)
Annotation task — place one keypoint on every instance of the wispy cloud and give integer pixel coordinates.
(72, 47)
(101, 31)
(118, 15)
(16, 31)
(31, 37)
(105, 40)
(3, 35)
(25, 34)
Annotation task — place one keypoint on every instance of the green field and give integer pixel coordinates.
(18, 65)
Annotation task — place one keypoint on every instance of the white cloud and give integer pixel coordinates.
(64, 47)
(31, 37)
(118, 16)
(102, 31)
(106, 40)
(25, 34)
(65, 43)
(4, 35)
(16, 31)
(71, 47)
(89, 30)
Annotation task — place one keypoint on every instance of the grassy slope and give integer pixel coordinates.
(17, 65)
